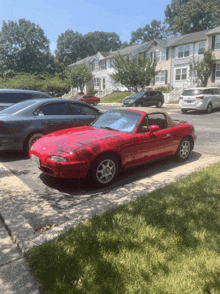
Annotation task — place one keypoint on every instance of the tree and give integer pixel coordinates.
(148, 33)
(70, 46)
(133, 72)
(101, 41)
(23, 48)
(203, 68)
(188, 16)
(79, 76)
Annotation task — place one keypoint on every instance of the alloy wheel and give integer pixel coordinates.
(105, 171)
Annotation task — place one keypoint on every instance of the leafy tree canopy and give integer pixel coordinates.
(79, 76)
(101, 41)
(202, 69)
(23, 48)
(70, 46)
(148, 33)
(133, 73)
(188, 16)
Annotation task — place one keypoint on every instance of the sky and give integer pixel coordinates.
(55, 17)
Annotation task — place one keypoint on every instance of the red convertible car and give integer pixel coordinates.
(118, 139)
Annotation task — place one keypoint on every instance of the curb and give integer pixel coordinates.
(119, 104)
(25, 237)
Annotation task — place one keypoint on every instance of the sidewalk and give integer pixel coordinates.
(17, 200)
(165, 105)
(15, 277)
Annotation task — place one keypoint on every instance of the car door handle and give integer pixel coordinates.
(168, 135)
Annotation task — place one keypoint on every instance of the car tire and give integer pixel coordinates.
(104, 170)
(95, 103)
(184, 149)
(209, 108)
(184, 111)
(159, 104)
(31, 140)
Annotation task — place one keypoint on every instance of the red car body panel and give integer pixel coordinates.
(81, 146)
(90, 99)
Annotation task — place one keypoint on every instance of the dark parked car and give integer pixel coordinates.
(90, 99)
(9, 96)
(59, 94)
(149, 98)
(23, 123)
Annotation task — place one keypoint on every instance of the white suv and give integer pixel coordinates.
(204, 99)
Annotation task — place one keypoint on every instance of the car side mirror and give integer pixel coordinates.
(153, 128)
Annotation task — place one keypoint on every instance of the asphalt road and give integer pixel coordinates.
(62, 194)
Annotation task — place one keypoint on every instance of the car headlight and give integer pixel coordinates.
(58, 158)
(31, 148)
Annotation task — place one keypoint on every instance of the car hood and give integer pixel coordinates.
(71, 140)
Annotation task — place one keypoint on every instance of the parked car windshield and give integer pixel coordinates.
(137, 95)
(118, 120)
(192, 92)
(78, 97)
(17, 107)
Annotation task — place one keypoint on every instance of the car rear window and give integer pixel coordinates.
(197, 92)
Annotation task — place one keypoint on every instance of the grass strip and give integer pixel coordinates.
(115, 97)
(167, 241)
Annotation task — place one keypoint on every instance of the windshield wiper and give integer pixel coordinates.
(109, 128)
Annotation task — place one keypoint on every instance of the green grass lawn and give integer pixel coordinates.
(115, 97)
(167, 241)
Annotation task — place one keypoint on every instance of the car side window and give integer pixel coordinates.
(157, 119)
(215, 91)
(146, 95)
(78, 109)
(208, 91)
(152, 93)
(39, 95)
(54, 109)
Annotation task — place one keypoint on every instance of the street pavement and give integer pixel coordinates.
(22, 210)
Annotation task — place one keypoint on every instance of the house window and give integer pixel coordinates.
(95, 65)
(217, 42)
(103, 83)
(183, 51)
(160, 77)
(201, 48)
(148, 55)
(217, 72)
(112, 62)
(103, 65)
(173, 52)
(181, 74)
(161, 55)
(96, 83)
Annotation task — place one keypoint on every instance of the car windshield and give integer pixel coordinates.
(118, 120)
(137, 95)
(17, 107)
(78, 97)
(192, 92)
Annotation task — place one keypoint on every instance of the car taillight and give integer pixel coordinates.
(180, 97)
(200, 97)
(1, 123)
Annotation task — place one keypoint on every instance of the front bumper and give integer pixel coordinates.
(67, 169)
(71, 170)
